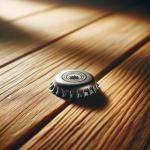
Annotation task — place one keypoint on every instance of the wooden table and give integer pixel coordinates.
(108, 39)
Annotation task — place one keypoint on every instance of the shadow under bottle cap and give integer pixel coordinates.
(74, 84)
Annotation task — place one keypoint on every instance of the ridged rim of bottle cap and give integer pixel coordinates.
(74, 84)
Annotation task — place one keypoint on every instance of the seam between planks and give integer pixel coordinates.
(122, 58)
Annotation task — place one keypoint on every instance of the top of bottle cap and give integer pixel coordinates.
(73, 79)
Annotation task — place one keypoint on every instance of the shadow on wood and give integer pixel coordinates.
(95, 101)
(113, 5)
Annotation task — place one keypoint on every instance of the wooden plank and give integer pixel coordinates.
(20, 38)
(23, 36)
(11, 10)
(26, 103)
(122, 123)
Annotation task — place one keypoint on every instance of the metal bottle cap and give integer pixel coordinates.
(74, 84)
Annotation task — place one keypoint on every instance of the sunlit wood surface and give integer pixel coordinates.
(108, 39)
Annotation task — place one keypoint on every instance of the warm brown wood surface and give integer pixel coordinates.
(40, 41)
(34, 32)
(41, 26)
(11, 10)
(122, 123)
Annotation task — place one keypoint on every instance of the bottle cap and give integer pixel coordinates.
(74, 84)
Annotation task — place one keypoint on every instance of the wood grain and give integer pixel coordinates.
(26, 104)
(11, 10)
(123, 123)
(21, 37)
